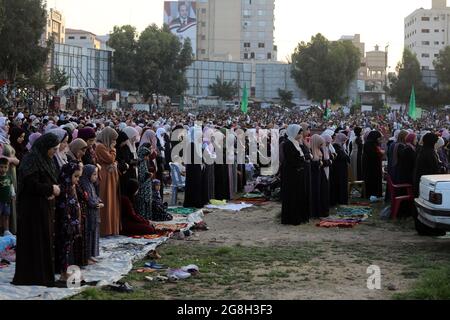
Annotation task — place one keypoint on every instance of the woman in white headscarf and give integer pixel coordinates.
(60, 157)
(294, 189)
(319, 181)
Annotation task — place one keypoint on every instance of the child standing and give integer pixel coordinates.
(88, 186)
(159, 209)
(7, 194)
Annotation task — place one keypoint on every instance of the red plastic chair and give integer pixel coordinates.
(396, 200)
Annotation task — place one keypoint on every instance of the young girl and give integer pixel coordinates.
(88, 186)
(159, 209)
(68, 216)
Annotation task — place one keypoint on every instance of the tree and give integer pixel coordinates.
(225, 90)
(442, 66)
(408, 75)
(162, 62)
(23, 25)
(59, 78)
(325, 69)
(286, 97)
(123, 41)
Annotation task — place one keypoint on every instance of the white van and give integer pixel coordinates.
(433, 204)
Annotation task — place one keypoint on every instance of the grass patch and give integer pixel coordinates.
(433, 285)
(222, 269)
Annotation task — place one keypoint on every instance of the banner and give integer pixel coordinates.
(181, 17)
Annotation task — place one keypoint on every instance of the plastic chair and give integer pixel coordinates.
(177, 182)
(396, 200)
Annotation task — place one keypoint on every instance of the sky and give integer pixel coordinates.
(377, 21)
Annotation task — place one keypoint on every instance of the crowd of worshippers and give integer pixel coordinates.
(316, 169)
(69, 179)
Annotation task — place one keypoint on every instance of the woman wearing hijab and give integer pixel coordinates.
(356, 150)
(133, 224)
(339, 184)
(18, 142)
(221, 174)
(443, 161)
(319, 183)
(38, 187)
(372, 165)
(208, 168)
(294, 191)
(397, 149)
(88, 182)
(77, 149)
(407, 160)
(427, 163)
(32, 139)
(124, 158)
(193, 193)
(109, 182)
(68, 217)
(144, 197)
(88, 135)
(156, 165)
(60, 158)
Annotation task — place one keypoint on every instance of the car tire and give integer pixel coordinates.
(424, 230)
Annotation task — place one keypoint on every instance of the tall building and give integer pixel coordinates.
(55, 28)
(427, 31)
(81, 38)
(233, 30)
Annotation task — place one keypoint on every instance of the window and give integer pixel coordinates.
(261, 12)
(436, 18)
(246, 56)
(436, 55)
(425, 68)
(436, 43)
(204, 10)
(425, 55)
(71, 38)
(436, 30)
(425, 43)
(425, 30)
(269, 56)
(247, 14)
(425, 18)
(252, 55)
(83, 38)
(203, 37)
(261, 45)
(203, 51)
(247, 44)
(203, 24)
(261, 23)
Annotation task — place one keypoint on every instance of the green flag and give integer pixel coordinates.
(244, 102)
(412, 105)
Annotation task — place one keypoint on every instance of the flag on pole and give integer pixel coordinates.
(244, 102)
(412, 105)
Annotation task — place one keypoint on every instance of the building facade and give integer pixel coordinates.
(236, 30)
(55, 28)
(427, 32)
(85, 67)
(82, 38)
(202, 74)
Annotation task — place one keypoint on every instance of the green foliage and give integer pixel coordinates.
(433, 285)
(324, 69)
(442, 66)
(123, 41)
(408, 75)
(226, 90)
(23, 25)
(286, 97)
(59, 78)
(154, 62)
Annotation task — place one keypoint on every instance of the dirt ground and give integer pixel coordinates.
(339, 271)
(249, 255)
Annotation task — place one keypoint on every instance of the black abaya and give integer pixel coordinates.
(294, 193)
(339, 186)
